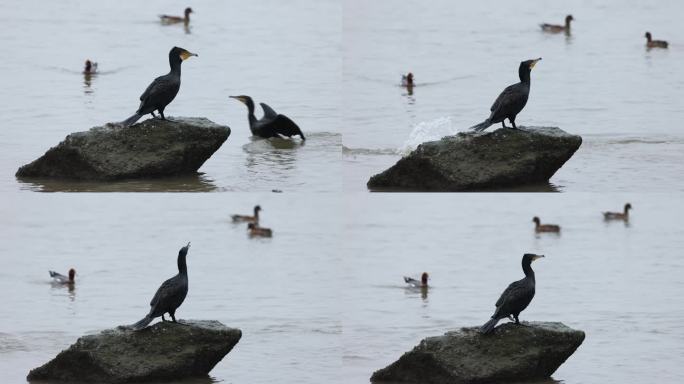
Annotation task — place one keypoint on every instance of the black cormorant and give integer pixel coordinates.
(251, 219)
(516, 297)
(415, 283)
(90, 68)
(272, 124)
(512, 100)
(170, 295)
(256, 231)
(166, 19)
(650, 43)
(163, 89)
(61, 279)
(553, 28)
(539, 227)
(618, 215)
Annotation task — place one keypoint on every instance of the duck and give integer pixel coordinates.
(414, 283)
(618, 215)
(650, 43)
(544, 227)
(246, 218)
(167, 19)
(407, 80)
(271, 124)
(554, 28)
(90, 67)
(61, 279)
(256, 231)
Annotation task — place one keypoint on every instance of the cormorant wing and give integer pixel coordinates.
(513, 98)
(163, 291)
(160, 85)
(269, 113)
(508, 95)
(286, 127)
(511, 292)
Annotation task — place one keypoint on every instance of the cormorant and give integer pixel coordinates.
(617, 215)
(538, 227)
(516, 297)
(272, 124)
(511, 101)
(553, 28)
(166, 19)
(90, 67)
(163, 89)
(415, 283)
(170, 294)
(251, 219)
(407, 80)
(61, 279)
(650, 43)
(256, 231)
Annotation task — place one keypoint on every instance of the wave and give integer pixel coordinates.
(429, 131)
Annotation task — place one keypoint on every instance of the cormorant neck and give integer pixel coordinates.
(182, 266)
(527, 268)
(524, 74)
(252, 119)
(175, 64)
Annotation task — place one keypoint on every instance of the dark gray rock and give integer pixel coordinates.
(467, 161)
(152, 148)
(163, 351)
(511, 353)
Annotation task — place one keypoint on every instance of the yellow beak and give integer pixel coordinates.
(185, 55)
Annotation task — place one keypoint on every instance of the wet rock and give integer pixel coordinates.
(511, 353)
(502, 158)
(164, 351)
(152, 148)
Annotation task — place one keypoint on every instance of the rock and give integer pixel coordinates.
(164, 351)
(152, 148)
(511, 353)
(502, 158)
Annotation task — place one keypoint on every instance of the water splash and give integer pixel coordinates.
(428, 131)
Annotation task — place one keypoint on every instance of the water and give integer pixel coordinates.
(600, 83)
(242, 50)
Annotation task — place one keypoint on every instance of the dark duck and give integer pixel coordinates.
(516, 297)
(650, 43)
(170, 294)
(163, 89)
(624, 215)
(511, 101)
(414, 283)
(539, 227)
(90, 68)
(256, 231)
(271, 124)
(58, 278)
(554, 28)
(167, 19)
(247, 218)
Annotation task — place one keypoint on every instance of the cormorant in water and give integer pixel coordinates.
(61, 279)
(553, 28)
(617, 215)
(256, 231)
(166, 19)
(511, 101)
(650, 43)
(90, 67)
(539, 227)
(170, 295)
(163, 89)
(407, 80)
(251, 219)
(516, 297)
(417, 284)
(272, 124)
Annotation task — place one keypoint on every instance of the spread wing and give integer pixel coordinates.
(269, 113)
(286, 127)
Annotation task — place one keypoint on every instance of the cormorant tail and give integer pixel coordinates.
(131, 120)
(302, 135)
(142, 323)
(482, 126)
(488, 327)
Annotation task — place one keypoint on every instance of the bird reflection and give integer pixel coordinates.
(87, 83)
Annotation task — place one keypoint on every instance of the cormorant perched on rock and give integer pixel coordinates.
(415, 283)
(166, 19)
(170, 295)
(618, 215)
(251, 219)
(163, 89)
(538, 227)
(256, 231)
(553, 28)
(272, 124)
(516, 297)
(650, 43)
(512, 100)
(61, 279)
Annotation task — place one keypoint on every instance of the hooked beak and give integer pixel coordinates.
(185, 55)
(238, 98)
(534, 62)
(535, 257)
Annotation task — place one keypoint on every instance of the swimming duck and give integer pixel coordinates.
(423, 283)
(617, 215)
(271, 124)
(650, 43)
(407, 80)
(61, 279)
(245, 218)
(90, 67)
(554, 28)
(256, 231)
(544, 227)
(166, 19)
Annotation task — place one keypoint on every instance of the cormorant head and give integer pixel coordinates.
(180, 53)
(188, 11)
(568, 19)
(628, 206)
(536, 220)
(72, 274)
(244, 99)
(184, 251)
(530, 257)
(648, 36)
(525, 68)
(424, 278)
(529, 64)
